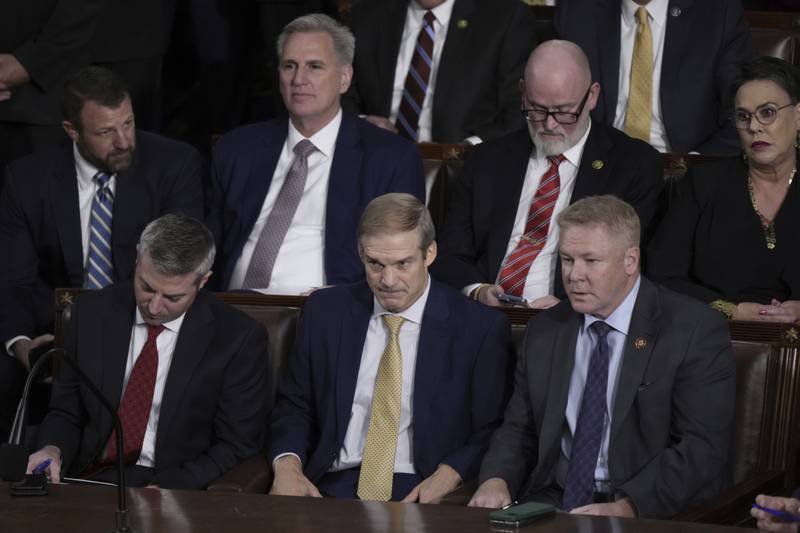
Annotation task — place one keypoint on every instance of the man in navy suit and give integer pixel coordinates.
(696, 49)
(338, 425)
(261, 181)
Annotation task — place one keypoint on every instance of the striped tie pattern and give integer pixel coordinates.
(417, 79)
(640, 99)
(515, 271)
(259, 271)
(579, 485)
(99, 265)
(377, 463)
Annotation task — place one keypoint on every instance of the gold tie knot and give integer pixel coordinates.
(394, 323)
(641, 17)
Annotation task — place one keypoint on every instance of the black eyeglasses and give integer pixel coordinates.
(765, 115)
(535, 114)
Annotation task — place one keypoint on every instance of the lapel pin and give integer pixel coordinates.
(675, 12)
(640, 343)
(597, 164)
(462, 24)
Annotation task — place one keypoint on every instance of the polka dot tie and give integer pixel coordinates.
(377, 463)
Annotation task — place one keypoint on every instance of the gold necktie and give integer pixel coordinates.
(640, 97)
(377, 463)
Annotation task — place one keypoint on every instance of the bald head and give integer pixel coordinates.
(558, 62)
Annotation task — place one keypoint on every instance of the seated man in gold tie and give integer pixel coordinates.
(395, 383)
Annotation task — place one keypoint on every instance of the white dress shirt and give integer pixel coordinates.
(87, 188)
(657, 15)
(300, 264)
(542, 272)
(374, 344)
(414, 20)
(166, 347)
(620, 321)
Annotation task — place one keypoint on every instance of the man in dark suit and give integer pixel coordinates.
(186, 372)
(47, 203)
(286, 194)
(504, 181)
(479, 49)
(695, 50)
(41, 43)
(411, 423)
(623, 400)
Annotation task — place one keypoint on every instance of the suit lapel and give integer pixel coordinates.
(63, 199)
(590, 180)
(507, 188)
(676, 38)
(452, 58)
(558, 392)
(608, 13)
(114, 339)
(390, 33)
(432, 352)
(644, 326)
(348, 355)
(345, 189)
(194, 340)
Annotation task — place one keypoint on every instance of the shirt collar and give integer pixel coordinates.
(414, 311)
(620, 319)
(84, 170)
(442, 12)
(657, 9)
(324, 140)
(172, 325)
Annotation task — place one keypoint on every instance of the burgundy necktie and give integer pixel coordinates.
(134, 409)
(417, 81)
(515, 271)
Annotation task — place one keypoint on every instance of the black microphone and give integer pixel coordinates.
(14, 457)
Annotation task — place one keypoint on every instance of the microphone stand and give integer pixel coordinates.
(21, 419)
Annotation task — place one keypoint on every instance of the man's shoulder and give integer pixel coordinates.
(148, 142)
(463, 310)
(515, 144)
(683, 310)
(374, 138)
(622, 144)
(243, 139)
(339, 297)
(41, 163)
(228, 318)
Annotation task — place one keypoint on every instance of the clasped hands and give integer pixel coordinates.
(777, 311)
(289, 480)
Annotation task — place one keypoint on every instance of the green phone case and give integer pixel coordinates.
(521, 514)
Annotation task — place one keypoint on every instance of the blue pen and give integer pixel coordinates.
(41, 467)
(786, 517)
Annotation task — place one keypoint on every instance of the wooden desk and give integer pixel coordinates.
(81, 509)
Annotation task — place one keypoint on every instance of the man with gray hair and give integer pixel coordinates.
(623, 399)
(500, 236)
(396, 382)
(186, 372)
(286, 194)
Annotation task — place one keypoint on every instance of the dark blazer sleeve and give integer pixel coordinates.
(186, 193)
(65, 35)
(703, 394)
(670, 256)
(514, 446)
(490, 388)
(238, 424)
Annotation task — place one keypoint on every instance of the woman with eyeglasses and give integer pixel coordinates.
(732, 236)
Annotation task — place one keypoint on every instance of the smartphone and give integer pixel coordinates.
(30, 485)
(520, 515)
(512, 300)
(781, 515)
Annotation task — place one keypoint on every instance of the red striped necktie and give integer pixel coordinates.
(515, 271)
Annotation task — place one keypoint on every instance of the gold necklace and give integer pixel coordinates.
(766, 225)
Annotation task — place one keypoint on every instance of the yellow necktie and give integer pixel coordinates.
(377, 463)
(640, 98)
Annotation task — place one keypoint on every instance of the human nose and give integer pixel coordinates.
(388, 277)
(155, 305)
(299, 76)
(550, 122)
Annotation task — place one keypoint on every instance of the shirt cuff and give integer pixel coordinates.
(467, 291)
(282, 455)
(10, 343)
(473, 139)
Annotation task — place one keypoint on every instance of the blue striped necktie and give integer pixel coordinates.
(417, 81)
(99, 266)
